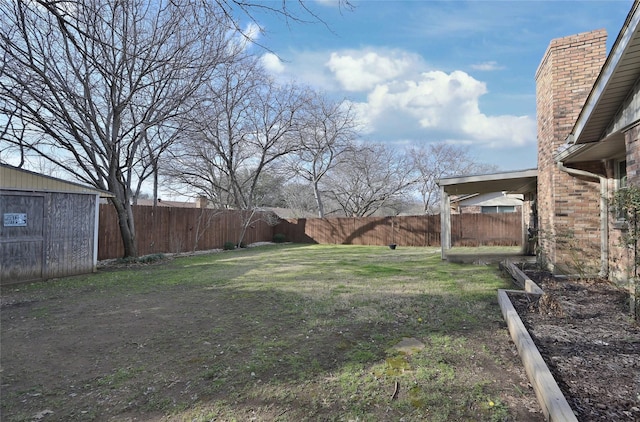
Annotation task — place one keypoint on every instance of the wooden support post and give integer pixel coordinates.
(445, 222)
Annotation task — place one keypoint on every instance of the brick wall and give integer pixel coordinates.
(568, 206)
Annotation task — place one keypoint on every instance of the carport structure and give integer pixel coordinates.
(519, 182)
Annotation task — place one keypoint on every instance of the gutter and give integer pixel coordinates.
(604, 219)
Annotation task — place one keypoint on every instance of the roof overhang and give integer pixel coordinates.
(521, 181)
(612, 147)
(18, 179)
(617, 78)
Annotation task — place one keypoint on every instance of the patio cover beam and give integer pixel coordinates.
(522, 181)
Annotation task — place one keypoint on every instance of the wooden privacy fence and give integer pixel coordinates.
(486, 229)
(406, 231)
(424, 230)
(173, 230)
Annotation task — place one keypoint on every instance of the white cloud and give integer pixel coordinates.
(398, 96)
(439, 104)
(330, 3)
(272, 63)
(246, 38)
(252, 32)
(359, 71)
(487, 66)
(500, 131)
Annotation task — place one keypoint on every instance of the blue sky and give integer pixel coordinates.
(435, 71)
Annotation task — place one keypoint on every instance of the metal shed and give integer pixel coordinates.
(49, 226)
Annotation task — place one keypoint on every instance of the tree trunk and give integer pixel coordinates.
(316, 194)
(155, 184)
(246, 222)
(127, 228)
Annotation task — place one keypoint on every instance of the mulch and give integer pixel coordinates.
(586, 335)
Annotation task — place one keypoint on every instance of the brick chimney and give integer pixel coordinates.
(202, 202)
(568, 214)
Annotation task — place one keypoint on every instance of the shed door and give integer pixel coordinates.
(21, 238)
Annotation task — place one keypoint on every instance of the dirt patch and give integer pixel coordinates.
(586, 336)
(215, 350)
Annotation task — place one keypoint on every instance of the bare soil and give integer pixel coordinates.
(89, 353)
(590, 343)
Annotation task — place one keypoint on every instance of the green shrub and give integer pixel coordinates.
(151, 258)
(279, 238)
(146, 259)
(229, 246)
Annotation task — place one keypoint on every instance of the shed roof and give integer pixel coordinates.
(14, 178)
(521, 181)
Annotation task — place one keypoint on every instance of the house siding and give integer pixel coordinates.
(568, 206)
(632, 144)
(620, 257)
(628, 113)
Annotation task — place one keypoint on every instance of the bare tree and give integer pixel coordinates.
(244, 125)
(290, 10)
(298, 198)
(327, 133)
(89, 81)
(155, 142)
(16, 130)
(435, 161)
(369, 178)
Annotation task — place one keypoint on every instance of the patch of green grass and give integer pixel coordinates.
(120, 376)
(294, 332)
(363, 353)
(40, 312)
(375, 270)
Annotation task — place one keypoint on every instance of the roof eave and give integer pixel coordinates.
(625, 36)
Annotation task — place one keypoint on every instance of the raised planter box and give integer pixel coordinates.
(554, 405)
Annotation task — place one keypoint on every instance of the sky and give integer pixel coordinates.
(418, 72)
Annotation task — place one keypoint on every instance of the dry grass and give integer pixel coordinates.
(281, 332)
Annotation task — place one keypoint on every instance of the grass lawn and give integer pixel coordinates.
(280, 332)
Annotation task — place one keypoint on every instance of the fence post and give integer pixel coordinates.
(445, 222)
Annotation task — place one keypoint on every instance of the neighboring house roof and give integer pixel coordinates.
(163, 203)
(489, 199)
(461, 198)
(14, 178)
(521, 181)
(609, 108)
(289, 213)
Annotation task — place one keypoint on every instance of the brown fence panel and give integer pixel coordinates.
(109, 240)
(419, 230)
(486, 229)
(422, 230)
(172, 230)
(294, 230)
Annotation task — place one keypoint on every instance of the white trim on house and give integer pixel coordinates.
(619, 74)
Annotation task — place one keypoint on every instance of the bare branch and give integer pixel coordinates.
(92, 80)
